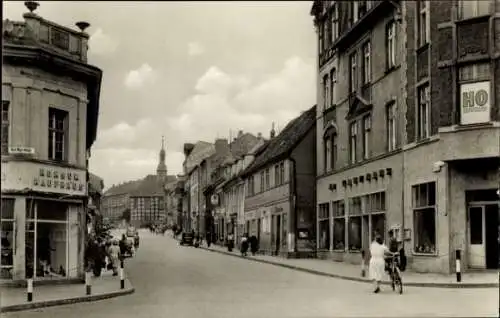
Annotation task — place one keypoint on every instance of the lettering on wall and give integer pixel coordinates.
(52, 178)
(475, 103)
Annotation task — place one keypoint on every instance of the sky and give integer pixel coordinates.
(189, 71)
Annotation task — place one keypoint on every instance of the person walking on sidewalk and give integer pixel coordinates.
(114, 255)
(378, 250)
(244, 245)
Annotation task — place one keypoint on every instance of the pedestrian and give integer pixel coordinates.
(378, 250)
(244, 245)
(254, 244)
(209, 239)
(115, 256)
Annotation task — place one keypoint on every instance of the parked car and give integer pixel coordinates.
(187, 238)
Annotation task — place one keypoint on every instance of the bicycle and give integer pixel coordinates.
(395, 274)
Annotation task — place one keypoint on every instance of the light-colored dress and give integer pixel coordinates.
(377, 261)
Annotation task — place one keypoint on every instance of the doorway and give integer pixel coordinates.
(483, 238)
(278, 233)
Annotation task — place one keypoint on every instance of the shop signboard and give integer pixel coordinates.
(22, 175)
(475, 102)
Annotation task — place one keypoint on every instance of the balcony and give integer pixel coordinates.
(35, 31)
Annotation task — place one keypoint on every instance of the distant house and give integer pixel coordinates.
(280, 191)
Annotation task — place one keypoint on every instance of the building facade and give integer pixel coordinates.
(279, 207)
(50, 106)
(410, 137)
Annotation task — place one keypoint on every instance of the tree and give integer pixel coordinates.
(126, 215)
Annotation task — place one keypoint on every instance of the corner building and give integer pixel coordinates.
(50, 106)
(423, 157)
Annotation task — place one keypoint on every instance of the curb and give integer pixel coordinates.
(358, 279)
(67, 301)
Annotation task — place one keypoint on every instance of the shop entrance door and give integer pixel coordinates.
(278, 233)
(483, 235)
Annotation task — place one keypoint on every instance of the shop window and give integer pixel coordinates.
(376, 209)
(46, 240)
(338, 213)
(7, 226)
(355, 224)
(424, 217)
(324, 226)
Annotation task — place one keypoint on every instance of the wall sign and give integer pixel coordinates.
(475, 103)
(21, 150)
(214, 199)
(21, 176)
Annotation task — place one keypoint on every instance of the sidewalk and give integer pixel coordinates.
(353, 272)
(106, 286)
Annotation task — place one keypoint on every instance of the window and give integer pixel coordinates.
(268, 179)
(250, 186)
(321, 31)
(355, 221)
(335, 22)
(391, 127)
(326, 91)
(57, 134)
(367, 126)
(328, 34)
(338, 213)
(474, 73)
(333, 153)
(324, 226)
(60, 38)
(327, 152)
(7, 226)
(5, 127)
(375, 207)
(276, 175)
(353, 78)
(354, 11)
(282, 173)
(391, 45)
(262, 181)
(333, 84)
(473, 8)
(362, 8)
(424, 217)
(423, 23)
(367, 66)
(330, 150)
(352, 141)
(423, 112)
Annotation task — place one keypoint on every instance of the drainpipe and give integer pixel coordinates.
(293, 202)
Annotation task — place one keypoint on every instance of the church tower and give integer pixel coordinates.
(161, 171)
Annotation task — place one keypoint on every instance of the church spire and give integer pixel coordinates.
(161, 171)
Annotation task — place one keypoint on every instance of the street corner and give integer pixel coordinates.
(68, 300)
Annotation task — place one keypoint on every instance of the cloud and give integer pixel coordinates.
(195, 49)
(123, 134)
(225, 102)
(102, 44)
(139, 77)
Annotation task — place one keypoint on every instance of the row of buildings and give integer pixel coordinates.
(50, 109)
(405, 136)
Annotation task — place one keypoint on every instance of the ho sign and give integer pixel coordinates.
(475, 103)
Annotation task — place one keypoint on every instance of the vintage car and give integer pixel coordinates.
(187, 238)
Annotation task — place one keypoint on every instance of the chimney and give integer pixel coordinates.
(273, 132)
(240, 133)
(221, 146)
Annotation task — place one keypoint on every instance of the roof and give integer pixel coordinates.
(151, 185)
(286, 141)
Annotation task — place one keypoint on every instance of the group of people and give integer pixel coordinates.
(108, 254)
(249, 242)
(382, 256)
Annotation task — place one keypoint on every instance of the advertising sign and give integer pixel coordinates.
(475, 101)
(22, 175)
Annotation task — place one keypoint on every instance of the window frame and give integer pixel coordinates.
(391, 126)
(267, 178)
(5, 126)
(353, 132)
(322, 218)
(353, 69)
(367, 63)
(334, 21)
(333, 85)
(416, 207)
(276, 175)
(11, 220)
(367, 127)
(354, 11)
(54, 131)
(326, 91)
(423, 102)
(282, 173)
(390, 38)
(423, 23)
(477, 8)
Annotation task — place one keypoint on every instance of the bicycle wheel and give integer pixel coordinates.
(398, 281)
